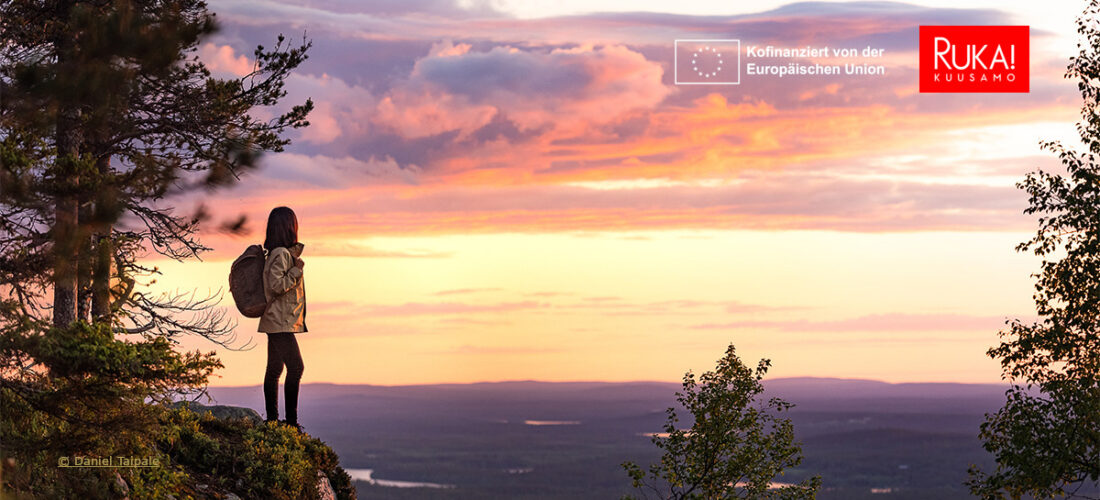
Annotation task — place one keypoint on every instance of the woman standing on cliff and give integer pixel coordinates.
(285, 291)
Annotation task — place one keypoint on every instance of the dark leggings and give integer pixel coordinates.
(282, 349)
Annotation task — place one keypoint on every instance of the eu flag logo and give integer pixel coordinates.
(703, 62)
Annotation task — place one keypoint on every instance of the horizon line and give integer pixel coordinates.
(613, 382)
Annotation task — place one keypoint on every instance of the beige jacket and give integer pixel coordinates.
(284, 283)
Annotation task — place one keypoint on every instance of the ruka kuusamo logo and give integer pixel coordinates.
(974, 59)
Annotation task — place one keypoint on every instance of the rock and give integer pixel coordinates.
(232, 496)
(223, 412)
(122, 486)
(324, 489)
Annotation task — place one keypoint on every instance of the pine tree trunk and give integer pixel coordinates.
(84, 273)
(66, 218)
(102, 255)
(65, 241)
(101, 277)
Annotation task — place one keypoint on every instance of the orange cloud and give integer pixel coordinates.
(486, 135)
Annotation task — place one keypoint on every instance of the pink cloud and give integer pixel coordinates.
(296, 171)
(454, 88)
(872, 323)
(340, 109)
(223, 59)
(464, 291)
(498, 350)
(331, 249)
(323, 126)
(424, 113)
(618, 306)
(445, 308)
(793, 200)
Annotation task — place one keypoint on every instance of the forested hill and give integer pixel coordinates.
(527, 439)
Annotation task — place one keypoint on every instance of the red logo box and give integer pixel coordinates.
(974, 59)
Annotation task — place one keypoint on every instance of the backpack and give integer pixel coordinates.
(246, 282)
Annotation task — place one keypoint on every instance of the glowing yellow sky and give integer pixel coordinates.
(650, 306)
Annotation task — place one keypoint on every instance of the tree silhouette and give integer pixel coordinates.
(106, 112)
(736, 447)
(1046, 438)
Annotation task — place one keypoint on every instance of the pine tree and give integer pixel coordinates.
(106, 112)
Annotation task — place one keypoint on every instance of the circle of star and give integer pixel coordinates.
(706, 52)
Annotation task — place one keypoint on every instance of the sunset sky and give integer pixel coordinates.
(517, 190)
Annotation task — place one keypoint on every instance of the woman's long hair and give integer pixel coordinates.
(282, 229)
